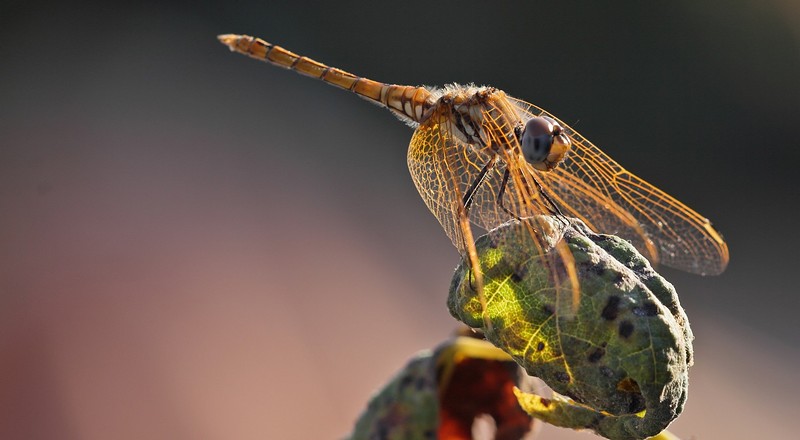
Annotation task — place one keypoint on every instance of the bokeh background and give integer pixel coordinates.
(195, 245)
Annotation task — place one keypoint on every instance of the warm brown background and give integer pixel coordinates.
(194, 245)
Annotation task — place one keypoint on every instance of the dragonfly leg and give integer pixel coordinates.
(482, 175)
(550, 205)
(553, 208)
(502, 192)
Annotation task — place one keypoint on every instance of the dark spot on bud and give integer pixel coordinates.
(420, 384)
(519, 273)
(540, 346)
(548, 309)
(545, 401)
(407, 380)
(649, 308)
(618, 278)
(625, 329)
(562, 377)
(383, 431)
(637, 403)
(607, 372)
(596, 268)
(631, 388)
(429, 434)
(611, 310)
(597, 354)
(601, 238)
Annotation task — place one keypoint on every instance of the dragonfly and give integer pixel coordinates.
(479, 157)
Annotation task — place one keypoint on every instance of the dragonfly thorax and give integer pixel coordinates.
(479, 116)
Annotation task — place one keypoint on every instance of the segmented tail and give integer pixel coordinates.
(407, 102)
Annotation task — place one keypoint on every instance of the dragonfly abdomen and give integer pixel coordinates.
(409, 103)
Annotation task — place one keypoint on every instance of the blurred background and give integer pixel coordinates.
(195, 245)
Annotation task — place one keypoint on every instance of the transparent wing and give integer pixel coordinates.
(593, 187)
(442, 171)
(445, 169)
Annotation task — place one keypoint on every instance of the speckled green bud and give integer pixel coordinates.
(407, 407)
(621, 353)
(439, 393)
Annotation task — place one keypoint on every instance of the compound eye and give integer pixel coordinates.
(537, 139)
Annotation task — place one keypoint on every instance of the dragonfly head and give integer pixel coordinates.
(544, 143)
